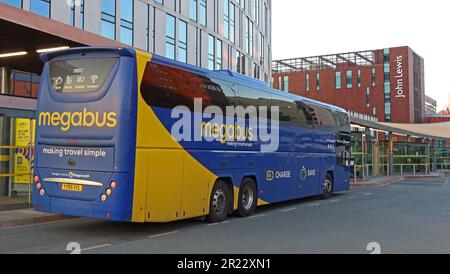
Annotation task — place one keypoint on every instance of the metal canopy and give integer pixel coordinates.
(437, 131)
(359, 59)
(25, 31)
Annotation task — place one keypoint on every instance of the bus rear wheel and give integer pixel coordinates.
(219, 204)
(327, 187)
(248, 198)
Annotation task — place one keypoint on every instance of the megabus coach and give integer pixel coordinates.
(105, 147)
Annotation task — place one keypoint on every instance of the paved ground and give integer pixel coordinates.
(412, 216)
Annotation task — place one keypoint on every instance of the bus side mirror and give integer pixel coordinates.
(352, 161)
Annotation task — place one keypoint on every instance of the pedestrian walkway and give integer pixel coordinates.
(12, 218)
(380, 181)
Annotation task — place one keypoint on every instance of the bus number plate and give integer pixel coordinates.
(69, 187)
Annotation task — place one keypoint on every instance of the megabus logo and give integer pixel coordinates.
(67, 120)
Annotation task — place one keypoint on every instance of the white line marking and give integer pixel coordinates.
(96, 247)
(367, 194)
(257, 216)
(289, 209)
(314, 205)
(352, 197)
(163, 234)
(446, 183)
(221, 223)
(335, 200)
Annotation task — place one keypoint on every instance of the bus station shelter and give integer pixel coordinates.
(384, 149)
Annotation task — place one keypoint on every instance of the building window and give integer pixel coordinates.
(15, 3)
(286, 83)
(219, 54)
(193, 9)
(82, 14)
(387, 86)
(368, 96)
(170, 37)
(211, 49)
(126, 21)
(226, 19)
(246, 34)
(72, 13)
(202, 12)
(238, 62)
(338, 80)
(373, 77)
(161, 2)
(108, 19)
(41, 7)
(280, 83)
(307, 82)
(317, 81)
(232, 15)
(182, 41)
(349, 79)
(359, 78)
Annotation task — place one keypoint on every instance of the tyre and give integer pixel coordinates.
(219, 204)
(248, 198)
(327, 187)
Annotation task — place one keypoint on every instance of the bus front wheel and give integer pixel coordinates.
(327, 187)
(248, 198)
(219, 204)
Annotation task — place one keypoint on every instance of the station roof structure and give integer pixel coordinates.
(438, 131)
(331, 61)
(23, 31)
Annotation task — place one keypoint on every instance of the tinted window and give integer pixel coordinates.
(169, 87)
(80, 75)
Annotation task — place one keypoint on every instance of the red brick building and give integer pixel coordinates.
(385, 85)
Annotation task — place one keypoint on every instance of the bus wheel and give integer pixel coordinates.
(219, 204)
(327, 187)
(248, 198)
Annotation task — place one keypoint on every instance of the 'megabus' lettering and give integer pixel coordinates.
(66, 120)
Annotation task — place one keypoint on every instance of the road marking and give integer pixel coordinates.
(367, 194)
(352, 197)
(335, 200)
(289, 209)
(162, 234)
(257, 216)
(314, 205)
(221, 223)
(446, 183)
(96, 247)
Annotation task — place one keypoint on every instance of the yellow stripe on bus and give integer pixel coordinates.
(170, 184)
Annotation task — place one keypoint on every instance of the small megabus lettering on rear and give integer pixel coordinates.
(85, 118)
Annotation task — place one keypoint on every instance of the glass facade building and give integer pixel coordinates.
(180, 30)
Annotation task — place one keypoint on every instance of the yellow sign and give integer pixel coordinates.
(75, 188)
(24, 154)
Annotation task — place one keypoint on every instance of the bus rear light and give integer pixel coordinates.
(104, 198)
(42, 192)
(38, 186)
(36, 179)
(113, 185)
(108, 192)
(108, 215)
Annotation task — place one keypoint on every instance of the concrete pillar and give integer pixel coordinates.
(6, 81)
(433, 156)
(5, 124)
(390, 154)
